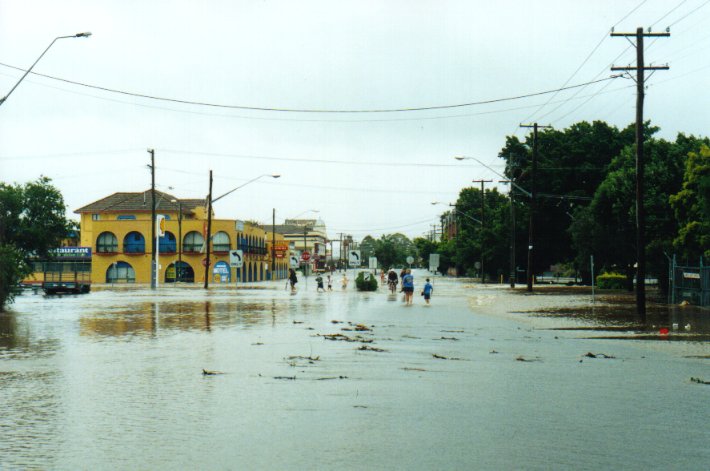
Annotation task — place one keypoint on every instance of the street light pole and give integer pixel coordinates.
(78, 35)
(153, 261)
(178, 270)
(513, 271)
(273, 243)
(211, 201)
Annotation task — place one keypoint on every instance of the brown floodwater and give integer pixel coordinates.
(483, 378)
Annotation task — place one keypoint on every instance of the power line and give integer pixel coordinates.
(296, 110)
(312, 186)
(689, 13)
(428, 221)
(586, 59)
(314, 161)
(310, 120)
(669, 12)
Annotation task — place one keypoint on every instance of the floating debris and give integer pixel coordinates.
(407, 368)
(360, 407)
(345, 338)
(442, 357)
(331, 377)
(211, 372)
(447, 338)
(699, 381)
(598, 355)
(258, 343)
(298, 322)
(357, 328)
(336, 322)
(452, 331)
(493, 352)
(522, 358)
(405, 336)
(285, 377)
(371, 349)
(298, 357)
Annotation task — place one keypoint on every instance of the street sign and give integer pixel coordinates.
(354, 258)
(305, 255)
(372, 262)
(236, 258)
(433, 261)
(293, 261)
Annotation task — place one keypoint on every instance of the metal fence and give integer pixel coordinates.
(690, 284)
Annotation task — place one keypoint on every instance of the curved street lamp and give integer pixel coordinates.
(210, 201)
(78, 35)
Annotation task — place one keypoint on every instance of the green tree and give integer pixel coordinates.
(488, 241)
(571, 165)
(691, 206)
(392, 250)
(607, 228)
(424, 247)
(32, 221)
(367, 248)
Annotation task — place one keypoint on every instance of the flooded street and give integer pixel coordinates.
(481, 379)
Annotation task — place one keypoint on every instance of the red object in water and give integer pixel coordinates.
(663, 331)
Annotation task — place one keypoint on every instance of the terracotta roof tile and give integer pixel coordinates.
(140, 201)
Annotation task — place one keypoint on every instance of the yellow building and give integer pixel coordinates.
(118, 230)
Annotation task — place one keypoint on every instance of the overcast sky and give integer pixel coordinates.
(367, 173)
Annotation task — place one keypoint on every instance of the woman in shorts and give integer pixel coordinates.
(408, 287)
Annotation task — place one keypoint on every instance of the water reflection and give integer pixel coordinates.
(17, 341)
(618, 313)
(149, 317)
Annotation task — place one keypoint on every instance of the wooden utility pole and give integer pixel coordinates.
(483, 220)
(209, 235)
(153, 262)
(640, 68)
(531, 223)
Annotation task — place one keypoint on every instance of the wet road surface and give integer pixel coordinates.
(481, 379)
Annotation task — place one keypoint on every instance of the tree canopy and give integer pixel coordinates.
(32, 221)
(585, 188)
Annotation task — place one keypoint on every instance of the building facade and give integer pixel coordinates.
(118, 230)
(307, 235)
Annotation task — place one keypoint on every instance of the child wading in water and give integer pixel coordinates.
(426, 292)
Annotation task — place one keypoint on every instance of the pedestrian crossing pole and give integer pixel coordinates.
(640, 68)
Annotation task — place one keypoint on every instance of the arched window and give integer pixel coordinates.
(107, 243)
(179, 271)
(193, 242)
(134, 243)
(167, 243)
(220, 242)
(120, 272)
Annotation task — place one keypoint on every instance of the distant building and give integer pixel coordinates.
(118, 230)
(305, 235)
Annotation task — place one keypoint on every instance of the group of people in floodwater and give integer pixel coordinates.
(392, 280)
